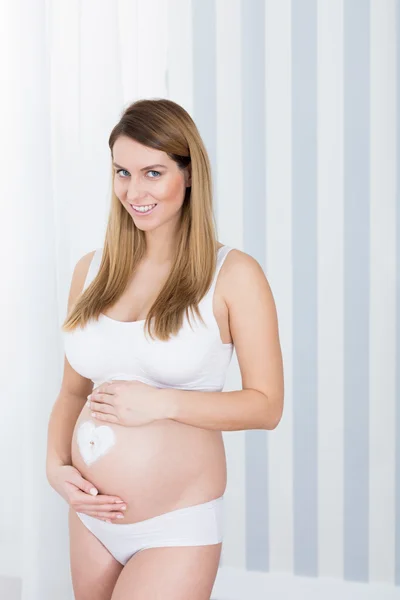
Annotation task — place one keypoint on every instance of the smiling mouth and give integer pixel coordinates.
(145, 209)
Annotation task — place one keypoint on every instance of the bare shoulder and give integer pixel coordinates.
(240, 267)
(78, 277)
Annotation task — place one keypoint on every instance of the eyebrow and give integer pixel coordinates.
(144, 168)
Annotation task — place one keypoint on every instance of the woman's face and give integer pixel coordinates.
(144, 177)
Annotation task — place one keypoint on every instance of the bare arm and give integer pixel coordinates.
(79, 493)
(254, 328)
(73, 392)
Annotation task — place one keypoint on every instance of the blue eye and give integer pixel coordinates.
(151, 171)
(119, 171)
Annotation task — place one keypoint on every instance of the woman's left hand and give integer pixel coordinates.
(127, 403)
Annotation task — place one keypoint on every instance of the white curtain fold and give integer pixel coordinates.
(68, 69)
(35, 310)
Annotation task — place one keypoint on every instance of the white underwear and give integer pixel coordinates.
(198, 525)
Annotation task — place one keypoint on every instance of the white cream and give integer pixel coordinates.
(94, 442)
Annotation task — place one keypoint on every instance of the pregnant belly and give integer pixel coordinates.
(154, 468)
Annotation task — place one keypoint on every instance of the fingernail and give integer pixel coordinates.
(89, 397)
(94, 492)
(119, 501)
(123, 507)
(120, 516)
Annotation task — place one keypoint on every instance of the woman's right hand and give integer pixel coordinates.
(76, 490)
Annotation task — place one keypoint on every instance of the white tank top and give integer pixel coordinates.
(194, 359)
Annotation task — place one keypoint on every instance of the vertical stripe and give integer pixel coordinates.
(356, 277)
(229, 180)
(279, 268)
(304, 111)
(179, 74)
(330, 288)
(204, 85)
(204, 82)
(127, 44)
(397, 128)
(228, 189)
(382, 293)
(254, 207)
(151, 49)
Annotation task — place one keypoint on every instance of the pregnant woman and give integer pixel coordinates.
(134, 440)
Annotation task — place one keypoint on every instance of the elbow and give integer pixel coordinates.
(274, 413)
(273, 424)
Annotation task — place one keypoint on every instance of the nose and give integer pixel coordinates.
(136, 191)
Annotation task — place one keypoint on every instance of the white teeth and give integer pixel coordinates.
(143, 208)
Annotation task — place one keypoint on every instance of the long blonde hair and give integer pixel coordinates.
(164, 125)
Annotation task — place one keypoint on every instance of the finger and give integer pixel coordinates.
(104, 498)
(104, 507)
(110, 387)
(105, 417)
(99, 499)
(103, 408)
(103, 386)
(100, 514)
(103, 398)
(84, 486)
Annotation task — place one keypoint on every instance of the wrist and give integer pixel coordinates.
(168, 402)
(54, 463)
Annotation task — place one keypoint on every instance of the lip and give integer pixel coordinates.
(142, 214)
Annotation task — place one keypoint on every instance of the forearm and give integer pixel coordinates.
(224, 411)
(62, 421)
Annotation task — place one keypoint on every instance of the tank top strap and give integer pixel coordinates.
(221, 255)
(208, 299)
(93, 267)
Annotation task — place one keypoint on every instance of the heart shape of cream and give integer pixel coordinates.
(93, 441)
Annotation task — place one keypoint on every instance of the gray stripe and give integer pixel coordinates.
(356, 287)
(397, 522)
(254, 241)
(304, 223)
(204, 84)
